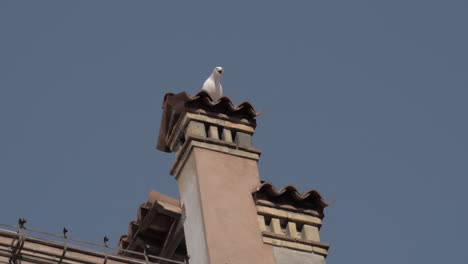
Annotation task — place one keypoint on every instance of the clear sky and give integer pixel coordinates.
(365, 101)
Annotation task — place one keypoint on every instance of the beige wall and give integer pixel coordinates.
(290, 256)
(193, 225)
(225, 185)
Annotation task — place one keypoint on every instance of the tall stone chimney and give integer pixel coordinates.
(229, 215)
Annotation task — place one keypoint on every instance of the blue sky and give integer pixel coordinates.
(365, 101)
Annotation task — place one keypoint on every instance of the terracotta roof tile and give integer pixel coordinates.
(290, 197)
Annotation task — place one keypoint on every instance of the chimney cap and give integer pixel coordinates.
(174, 105)
(290, 196)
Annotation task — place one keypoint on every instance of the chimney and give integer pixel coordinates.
(229, 215)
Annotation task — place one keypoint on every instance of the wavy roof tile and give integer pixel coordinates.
(176, 104)
(289, 196)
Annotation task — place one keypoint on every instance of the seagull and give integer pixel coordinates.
(212, 85)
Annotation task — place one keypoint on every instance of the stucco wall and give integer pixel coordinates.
(231, 224)
(290, 256)
(193, 224)
(221, 223)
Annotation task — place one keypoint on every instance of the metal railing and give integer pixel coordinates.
(23, 234)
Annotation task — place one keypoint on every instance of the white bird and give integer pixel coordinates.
(212, 85)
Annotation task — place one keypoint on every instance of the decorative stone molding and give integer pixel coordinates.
(293, 229)
(290, 227)
(197, 130)
(204, 126)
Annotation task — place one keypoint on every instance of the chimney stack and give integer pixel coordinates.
(229, 215)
